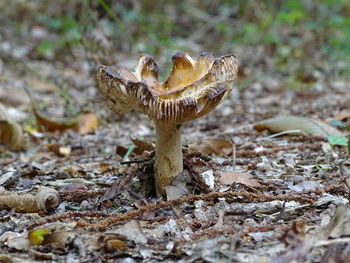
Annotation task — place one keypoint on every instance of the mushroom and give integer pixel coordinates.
(193, 89)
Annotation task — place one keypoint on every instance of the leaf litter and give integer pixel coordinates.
(239, 199)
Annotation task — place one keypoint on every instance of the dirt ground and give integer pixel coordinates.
(245, 196)
(76, 180)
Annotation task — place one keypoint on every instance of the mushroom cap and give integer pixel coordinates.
(194, 87)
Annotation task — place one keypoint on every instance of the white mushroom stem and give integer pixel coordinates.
(168, 159)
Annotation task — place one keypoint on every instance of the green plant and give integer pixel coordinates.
(68, 34)
(342, 141)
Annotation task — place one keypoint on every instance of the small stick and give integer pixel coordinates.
(279, 134)
(233, 154)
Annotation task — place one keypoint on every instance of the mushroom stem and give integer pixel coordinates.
(168, 159)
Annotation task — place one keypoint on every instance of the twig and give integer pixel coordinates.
(279, 134)
(238, 196)
(233, 154)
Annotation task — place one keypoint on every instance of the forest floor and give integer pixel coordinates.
(248, 196)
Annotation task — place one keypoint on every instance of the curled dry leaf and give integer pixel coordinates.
(59, 234)
(113, 245)
(61, 237)
(6, 258)
(340, 223)
(218, 147)
(46, 125)
(11, 135)
(44, 200)
(85, 123)
(227, 177)
(299, 126)
(131, 231)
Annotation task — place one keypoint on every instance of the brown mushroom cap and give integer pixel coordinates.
(194, 87)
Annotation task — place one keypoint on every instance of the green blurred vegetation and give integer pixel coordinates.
(295, 35)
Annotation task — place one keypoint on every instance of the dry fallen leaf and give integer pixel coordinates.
(115, 245)
(340, 223)
(299, 125)
(227, 177)
(62, 237)
(6, 258)
(15, 240)
(11, 135)
(218, 147)
(142, 145)
(304, 186)
(45, 199)
(46, 125)
(131, 231)
(341, 115)
(86, 123)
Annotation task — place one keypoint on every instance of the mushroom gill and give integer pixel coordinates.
(193, 89)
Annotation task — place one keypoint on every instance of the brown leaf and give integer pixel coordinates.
(46, 125)
(121, 150)
(341, 115)
(143, 145)
(218, 147)
(11, 135)
(87, 123)
(340, 223)
(6, 258)
(115, 245)
(83, 124)
(198, 165)
(62, 238)
(131, 231)
(229, 178)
